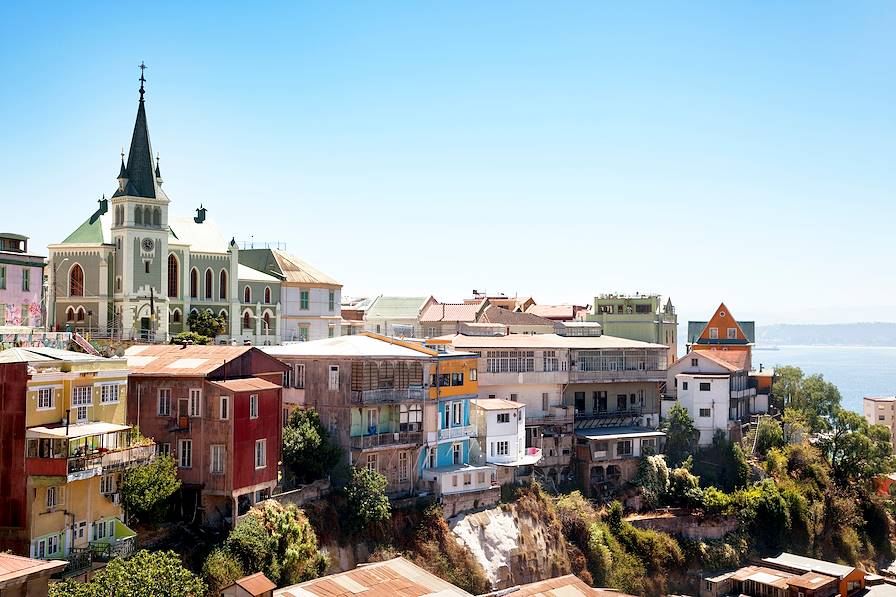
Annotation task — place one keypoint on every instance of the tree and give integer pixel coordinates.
(814, 397)
(145, 574)
(684, 487)
(653, 478)
(145, 490)
(855, 449)
(220, 570)
(722, 463)
(768, 435)
(206, 324)
(308, 452)
(275, 539)
(681, 435)
(366, 500)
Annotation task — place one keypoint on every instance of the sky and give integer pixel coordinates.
(742, 152)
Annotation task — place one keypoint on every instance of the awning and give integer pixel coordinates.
(74, 431)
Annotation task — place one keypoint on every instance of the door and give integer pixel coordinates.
(144, 327)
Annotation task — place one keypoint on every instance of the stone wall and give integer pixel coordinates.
(455, 503)
(305, 493)
(687, 525)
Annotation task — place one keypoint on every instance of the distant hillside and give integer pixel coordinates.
(834, 334)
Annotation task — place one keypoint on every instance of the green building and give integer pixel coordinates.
(640, 317)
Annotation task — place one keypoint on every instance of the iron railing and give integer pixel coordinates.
(388, 395)
(377, 440)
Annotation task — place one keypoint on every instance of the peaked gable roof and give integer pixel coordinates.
(502, 316)
(437, 312)
(396, 307)
(731, 361)
(285, 266)
(192, 361)
(721, 320)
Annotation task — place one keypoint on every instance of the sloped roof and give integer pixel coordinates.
(16, 569)
(496, 404)
(96, 230)
(803, 564)
(181, 361)
(393, 578)
(256, 584)
(285, 266)
(396, 307)
(345, 346)
(499, 315)
(141, 168)
(553, 311)
(248, 274)
(562, 586)
(451, 312)
(248, 384)
(37, 354)
(545, 341)
(202, 238)
(729, 359)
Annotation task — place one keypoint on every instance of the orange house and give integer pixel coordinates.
(722, 332)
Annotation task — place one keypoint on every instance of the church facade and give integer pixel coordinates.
(133, 271)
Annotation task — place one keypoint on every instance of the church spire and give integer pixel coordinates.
(140, 169)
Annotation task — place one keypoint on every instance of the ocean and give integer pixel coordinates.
(857, 371)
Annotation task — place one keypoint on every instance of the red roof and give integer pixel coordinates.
(18, 568)
(183, 361)
(562, 586)
(249, 384)
(256, 584)
(451, 312)
(501, 316)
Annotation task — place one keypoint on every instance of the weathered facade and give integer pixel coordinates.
(218, 411)
(21, 283)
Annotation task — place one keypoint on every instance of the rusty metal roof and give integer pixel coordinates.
(256, 584)
(562, 586)
(249, 384)
(180, 361)
(17, 569)
(393, 578)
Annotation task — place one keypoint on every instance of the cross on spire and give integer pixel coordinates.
(142, 79)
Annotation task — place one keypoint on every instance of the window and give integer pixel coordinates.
(266, 322)
(713, 333)
(80, 529)
(456, 453)
(164, 402)
(44, 398)
(304, 334)
(510, 361)
(267, 295)
(372, 464)
(76, 281)
(468, 479)
(881, 417)
(81, 399)
(624, 448)
(175, 316)
(332, 300)
(732, 333)
(684, 385)
(550, 361)
(299, 377)
(410, 417)
(545, 401)
(503, 417)
(247, 295)
(480, 478)
(163, 449)
(2, 277)
(457, 379)
(457, 413)
(472, 375)
(172, 276)
(222, 284)
(185, 453)
(705, 412)
(52, 545)
(704, 386)
(109, 393)
(146, 266)
(55, 496)
(503, 448)
(217, 460)
(253, 406)
(102, 529)
(333, 381)
(225, 408)
(454, 480)
(514, 397)
(694, 362)
(208, 283)
(303, 300)
(432, 458)
(26, 279)
(107, 484)
(194, 283)
(402, 467)
(261, 453)
(247, 323)
(195, 402)
(331, 331)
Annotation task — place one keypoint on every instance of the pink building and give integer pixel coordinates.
(21, 283)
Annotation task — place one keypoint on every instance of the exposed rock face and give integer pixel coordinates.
(515, 544)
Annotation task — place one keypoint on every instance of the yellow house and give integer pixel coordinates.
(65, 503)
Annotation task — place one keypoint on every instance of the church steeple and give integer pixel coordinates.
(140, 169)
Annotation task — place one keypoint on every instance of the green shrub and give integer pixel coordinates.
(220, 570)
(716, 502)
(653, 478)
(191, 337)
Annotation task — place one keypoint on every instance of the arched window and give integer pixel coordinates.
(267, 322)
(81, 313)
(70, 314)
(138, 215)
(157, 217)
(247, 295)
(194, 283)
(173, 276)
(222, 284)
(175, 316)
(76, 281)
(267, 295)
(208, 283)
(223, 315)
(247, 321)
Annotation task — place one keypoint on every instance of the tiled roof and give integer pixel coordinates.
(392, 578)
(181, 361)
(248, 384)
(13, 568)
(499, 315)
(552, 311)
(256, 584)
(451, 312)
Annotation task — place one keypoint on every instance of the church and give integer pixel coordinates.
(133, 271)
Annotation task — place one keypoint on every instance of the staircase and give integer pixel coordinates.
(84, 344)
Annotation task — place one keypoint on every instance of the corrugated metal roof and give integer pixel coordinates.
(256, 584)
(345, 346)
(296, 270)
(395, 307)
(802, 563)
(546, 341)
(562, 586)
(182, 361)
(41, 354)
(249, 384)
(451, 312)
(392, 578)
(496, 404)
(13, 567)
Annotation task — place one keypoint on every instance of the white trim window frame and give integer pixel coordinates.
(261, 453)
(45, 399)
(109, 393)
(298, 379)
(218, 459)
(82, 399)
(195, 402)
(185, 453)
(253, 406)
(163, 402)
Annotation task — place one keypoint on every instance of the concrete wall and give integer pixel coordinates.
(716, 400)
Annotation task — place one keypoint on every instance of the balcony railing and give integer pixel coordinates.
(457, 432)
(388, 395)
(128, 457)
(555, 416)
(104, 551)
(77, 468)
(79, 560)
(618, 375)
(378, 440)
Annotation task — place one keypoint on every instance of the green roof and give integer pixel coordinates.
(396, 307)
(90, 232)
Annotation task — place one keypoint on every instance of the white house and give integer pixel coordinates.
(501, 427)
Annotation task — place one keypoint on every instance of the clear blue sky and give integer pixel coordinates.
(743, 152)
